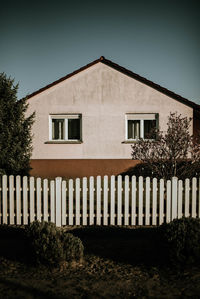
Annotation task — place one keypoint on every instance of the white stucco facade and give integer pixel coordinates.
(103, 96)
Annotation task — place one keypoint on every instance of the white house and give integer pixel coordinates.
(86, 121)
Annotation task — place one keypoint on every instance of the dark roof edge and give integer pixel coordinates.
(151, 84)
(62, 79)
(127, 72)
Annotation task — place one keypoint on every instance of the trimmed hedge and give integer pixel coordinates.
(51, 246)
(183, 239)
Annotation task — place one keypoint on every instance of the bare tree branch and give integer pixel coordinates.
(173, 153)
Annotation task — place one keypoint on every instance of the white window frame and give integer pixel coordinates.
(66, 117)
(141, 117)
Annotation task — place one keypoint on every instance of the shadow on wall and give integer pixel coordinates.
(139, 169)
(184, 170)
(73, 168)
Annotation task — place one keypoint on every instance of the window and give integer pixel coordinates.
(140, 125)
(65, 127)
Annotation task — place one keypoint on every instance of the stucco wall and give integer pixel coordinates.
(103, 96)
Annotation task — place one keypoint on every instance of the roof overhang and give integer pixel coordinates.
(127, 72)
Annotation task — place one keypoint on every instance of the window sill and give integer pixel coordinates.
(136, 141)
(64, 142)
(129, 141)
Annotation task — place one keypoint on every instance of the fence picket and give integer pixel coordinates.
(194, 197)
(154, 205)
(180, 198)
(4, 201)
(77, 200)
(147, 202)
(126, 201)
(84, 201)
(112, 200)
(18, 199)
(71, 207)
(133, 200)
(52, 201)
(168, 203)
(32, 198)
(119, 200)
(161, 204)
(91, 200)
(98, 195)
(58, 201)
(45, 200)
(11, 199)
(140, 203)
(63, 197)
(25, 200)
(38, 193)
(187, 197)
(105, 200)
(174, 197)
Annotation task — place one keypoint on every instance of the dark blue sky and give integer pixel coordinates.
(160, 40)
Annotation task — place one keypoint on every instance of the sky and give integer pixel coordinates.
(42, 41)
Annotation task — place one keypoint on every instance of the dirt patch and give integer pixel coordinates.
(96, 278)
(113, 267)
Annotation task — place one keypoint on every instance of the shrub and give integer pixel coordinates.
(73, 247)
(183, 239)
(145, 170)
(51, 246)
(174, 152)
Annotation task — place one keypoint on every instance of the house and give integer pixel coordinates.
(86, 121)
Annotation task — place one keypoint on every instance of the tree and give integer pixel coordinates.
(15, 130)
(173, 153)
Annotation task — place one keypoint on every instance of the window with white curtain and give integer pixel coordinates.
(140, 125)
(65, 127)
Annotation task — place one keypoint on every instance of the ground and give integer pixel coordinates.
(118, 263)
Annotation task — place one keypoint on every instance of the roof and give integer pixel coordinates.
(127, 72)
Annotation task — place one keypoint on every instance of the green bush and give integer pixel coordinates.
(51, 246)
(183, 239)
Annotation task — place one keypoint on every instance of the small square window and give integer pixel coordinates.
(141, 125)
(65, 127)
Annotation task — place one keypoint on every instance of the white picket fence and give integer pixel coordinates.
(97, 201)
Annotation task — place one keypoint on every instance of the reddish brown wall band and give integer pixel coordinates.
(72, 168)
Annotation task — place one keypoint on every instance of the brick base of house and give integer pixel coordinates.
(73, 168)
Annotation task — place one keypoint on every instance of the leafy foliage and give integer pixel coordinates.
(173, 153)
(15, 130)
(183, 239)
(73, 247)
(51, 246)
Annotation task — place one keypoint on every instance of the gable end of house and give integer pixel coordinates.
(129, 73)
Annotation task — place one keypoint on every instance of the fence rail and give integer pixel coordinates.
(97, 201)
